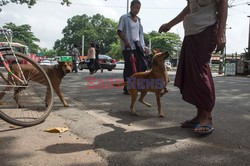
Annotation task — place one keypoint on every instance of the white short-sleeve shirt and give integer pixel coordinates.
(203, 13)
(125, 27)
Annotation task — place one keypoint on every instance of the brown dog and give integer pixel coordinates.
(55, 74)
(154, 80)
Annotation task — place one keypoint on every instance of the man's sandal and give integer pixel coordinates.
(189, 124)
(207, 129)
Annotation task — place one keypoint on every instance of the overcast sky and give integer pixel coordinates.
(48, 17)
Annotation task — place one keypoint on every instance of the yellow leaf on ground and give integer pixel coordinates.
(57, 129)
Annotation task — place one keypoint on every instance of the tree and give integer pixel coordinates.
(96, 29)
(48, 53)
(165, 42)
(22, 34)
(115, 50)
(29, 2)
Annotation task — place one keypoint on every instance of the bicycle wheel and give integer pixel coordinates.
(29, 104)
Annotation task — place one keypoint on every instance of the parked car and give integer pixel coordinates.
(47, 62)
(105, 61)
(119, 65)
(168, 65)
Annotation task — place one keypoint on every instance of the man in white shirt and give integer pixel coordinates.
(131, 36)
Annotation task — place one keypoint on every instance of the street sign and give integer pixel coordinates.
(66, 59)
(230, 69)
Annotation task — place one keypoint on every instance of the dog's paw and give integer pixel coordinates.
(161, 116)
(134, 114)
(163, 93)
(21, 106)
(66, 105)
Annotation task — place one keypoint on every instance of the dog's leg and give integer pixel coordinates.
(60, 95)
(16, 96)
(48, 96)
(2, 93)
(158, 99)
(143, 94)
(133, 93)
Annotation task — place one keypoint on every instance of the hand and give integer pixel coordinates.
(220, 41)
(127, 45)
(164, 28)
(146, 50)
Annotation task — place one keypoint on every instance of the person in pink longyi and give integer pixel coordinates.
(204, 24)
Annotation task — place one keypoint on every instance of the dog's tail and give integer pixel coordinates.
(121, 84)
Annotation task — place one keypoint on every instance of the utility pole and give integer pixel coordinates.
(127, 5)
(248, 49)
(82, 45)
(150, 46)
(223, 57)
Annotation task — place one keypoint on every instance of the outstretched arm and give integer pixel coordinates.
(167, 26)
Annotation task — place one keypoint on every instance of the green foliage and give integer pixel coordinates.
(58, 47)
(96, 29)
(165, 42)
(22, 34)
(150, 35)
(115, 51)
(48, 53)
(29, 2)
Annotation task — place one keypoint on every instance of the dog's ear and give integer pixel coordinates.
(60, 63)
(156, 50)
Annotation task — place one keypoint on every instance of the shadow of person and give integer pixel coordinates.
(67, 148)
(119, 140)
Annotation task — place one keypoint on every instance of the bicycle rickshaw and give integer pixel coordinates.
(26, 94)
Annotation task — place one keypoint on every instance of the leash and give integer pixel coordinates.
(132, 61)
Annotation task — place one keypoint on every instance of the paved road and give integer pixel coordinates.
(102, 117)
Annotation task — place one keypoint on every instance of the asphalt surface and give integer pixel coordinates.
(101, 117)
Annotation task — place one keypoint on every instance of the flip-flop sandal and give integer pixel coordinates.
(208, 127)
(189, 124)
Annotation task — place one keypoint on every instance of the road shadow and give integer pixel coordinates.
(67, 148)
(159, 147)
(119, 140)
(188, 156)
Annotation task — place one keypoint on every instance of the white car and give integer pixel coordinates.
(119, 65)
(168, 65)
(47, 62)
